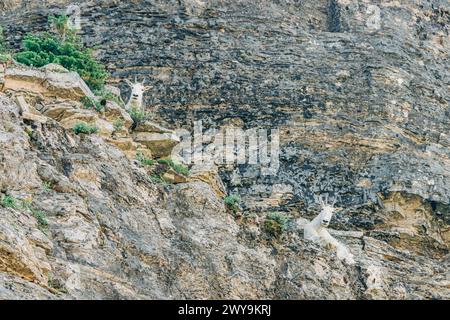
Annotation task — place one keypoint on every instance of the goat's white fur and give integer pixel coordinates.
(316, 231)
(137, 94)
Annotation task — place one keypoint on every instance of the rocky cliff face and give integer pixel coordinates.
(362, 104)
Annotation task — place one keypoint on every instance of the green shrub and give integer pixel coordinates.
(40, 216)
(155, 178)
(144, 160)
(232, 202)
(9, 202)
(47, 186)
(275, 224)
(109, 96)
(177, 167)
(90, 103)
(27, 205)
(29, 132)
(139, 116)
(82, 127)
(60, 24)
(165, 164)
(2, 41)
(4, 55)
(4, 58)
(118, 124)
(62, 47)
(160, 167)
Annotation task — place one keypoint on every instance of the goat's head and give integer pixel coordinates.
(137, 89)
(327, 209)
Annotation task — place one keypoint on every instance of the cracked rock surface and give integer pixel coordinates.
(363, 111)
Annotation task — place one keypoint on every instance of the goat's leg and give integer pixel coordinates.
(328, 239)
(309, 233)
(342, 252)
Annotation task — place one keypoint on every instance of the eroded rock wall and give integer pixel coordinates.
(362, 105)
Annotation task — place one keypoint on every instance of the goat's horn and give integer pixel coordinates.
(316, 198)
(334, 201)
(321, 202)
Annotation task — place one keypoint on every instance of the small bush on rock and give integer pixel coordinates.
(155, 178)
(144, 160)
(82, 127)
(9, 202)
(4, 55)
(107, 95)
(90, 103)
(41, 216)
(2, 41)
(177, 167)
(138, 116)
(118, 125)
(164, 164)
(65, 48)
(275, 224)
(233, 202)
(47, 186)
(161, 167)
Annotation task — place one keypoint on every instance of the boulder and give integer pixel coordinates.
(114, 112)
(114, 90)
(68, 116)
(124, 144)
(152, 127)
(28, 112)
(54, 67)
(209, 175)
(172, 176)
(50, 81)
(105, 127)
(160, 144)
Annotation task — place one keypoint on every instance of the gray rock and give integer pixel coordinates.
(362, 112)
(48, 81)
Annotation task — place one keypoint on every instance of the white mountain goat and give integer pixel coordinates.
(316, 231)
(137, 94)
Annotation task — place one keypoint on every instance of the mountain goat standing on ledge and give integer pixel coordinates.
(137, 94)
(316, 231)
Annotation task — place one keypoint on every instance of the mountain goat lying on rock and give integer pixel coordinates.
(316, 231)
(137, 94)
